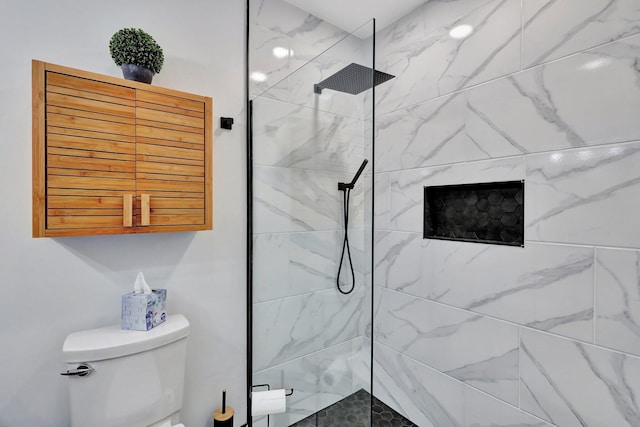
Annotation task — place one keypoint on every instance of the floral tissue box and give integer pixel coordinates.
(142, 312)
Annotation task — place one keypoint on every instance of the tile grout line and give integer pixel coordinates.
(506, 76)
(511, 157)
(464, 384)
(517, 325)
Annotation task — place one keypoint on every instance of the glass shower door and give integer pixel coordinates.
(311, 131)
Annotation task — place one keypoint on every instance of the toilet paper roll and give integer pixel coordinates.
(268, 402)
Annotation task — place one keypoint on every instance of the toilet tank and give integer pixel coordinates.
(137, 377)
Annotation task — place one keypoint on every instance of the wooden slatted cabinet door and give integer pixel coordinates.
(90, 156)
(171, 172)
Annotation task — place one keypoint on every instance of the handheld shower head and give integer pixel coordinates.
(342, 186)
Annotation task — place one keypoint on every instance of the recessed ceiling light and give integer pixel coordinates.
(258, 76)
(461, 31)
(282, 52)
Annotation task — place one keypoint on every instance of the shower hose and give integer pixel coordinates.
(345, 245)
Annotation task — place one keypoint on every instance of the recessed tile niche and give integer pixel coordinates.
(483, 213)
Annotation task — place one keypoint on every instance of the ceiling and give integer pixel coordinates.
(350, 14)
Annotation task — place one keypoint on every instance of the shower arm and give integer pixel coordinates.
(343, 186)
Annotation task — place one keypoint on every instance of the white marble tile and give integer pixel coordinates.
(481, 410)
(283, 18)
(439, 13)
(438, 64)
(302, 375)
(584, 196)
(588, 99)
(572, 384)
(288, 199)
(363, 370)
(288, 135)
(337, 372)
(297, 263)
(313, 260)
(261, 59)
(555, 28)
(477, 350)
(424, 396)
(288, 328)
(271, 265)
(398, 258)
(427, 134)
(382, 202)
(318, 380)
(547, 287)
(618, 299)
(315, 71)
(406, 29)
(407, 187)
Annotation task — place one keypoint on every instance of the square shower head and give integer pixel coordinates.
(353, 79)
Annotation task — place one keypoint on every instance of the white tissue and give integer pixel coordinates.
(140, 286)
(268, 402)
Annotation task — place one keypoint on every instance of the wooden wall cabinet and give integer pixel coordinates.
(113, 156)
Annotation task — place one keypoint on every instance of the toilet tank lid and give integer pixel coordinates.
(112, 341)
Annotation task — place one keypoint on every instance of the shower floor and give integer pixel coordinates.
(353, 411)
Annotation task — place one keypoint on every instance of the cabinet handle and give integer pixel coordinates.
(127, 210)
(145, 210)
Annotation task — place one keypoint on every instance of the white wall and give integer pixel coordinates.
(51, 287)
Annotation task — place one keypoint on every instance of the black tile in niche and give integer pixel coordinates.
(486, 212)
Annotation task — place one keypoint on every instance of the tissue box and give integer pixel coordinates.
(142, 312)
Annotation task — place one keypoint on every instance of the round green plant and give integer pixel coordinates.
(134, 46)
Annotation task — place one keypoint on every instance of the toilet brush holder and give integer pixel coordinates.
(223, 417)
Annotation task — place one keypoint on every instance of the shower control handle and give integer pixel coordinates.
(82, 370)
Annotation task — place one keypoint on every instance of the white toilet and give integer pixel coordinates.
(123, 378)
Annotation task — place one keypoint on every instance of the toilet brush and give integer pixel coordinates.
(223, 417)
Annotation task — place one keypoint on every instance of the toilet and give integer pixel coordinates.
(121, 378)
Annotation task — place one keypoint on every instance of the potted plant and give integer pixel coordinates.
(137, 53)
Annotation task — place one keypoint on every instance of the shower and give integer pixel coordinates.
(346, 188)
(353, 79)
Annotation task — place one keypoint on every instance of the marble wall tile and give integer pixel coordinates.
(287, 199)
(315, 71)
(288, 328)
(481, 410)
(547, 287)
(618, 299)
(588, 99)
(424, 396)
(261, 59)
(281, 17)
(439, 13)
(271, 266)
(477, 350)
(319, 380)
(382, 206)
(572, 384)
(287, 135)
(584, 196)
(432, 133)
(407, 187)
(555, 28)
(287, 264)
(398, 258)
(438, 64)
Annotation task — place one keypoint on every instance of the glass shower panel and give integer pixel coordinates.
(308, 336)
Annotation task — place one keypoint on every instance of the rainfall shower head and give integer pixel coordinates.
(353, 79)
